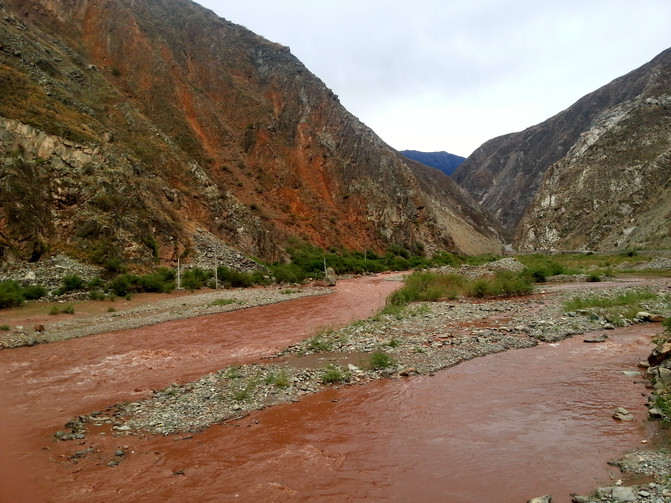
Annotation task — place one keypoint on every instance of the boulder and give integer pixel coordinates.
(330, 277)
(660, 353)
(622, 414)
(616, 494)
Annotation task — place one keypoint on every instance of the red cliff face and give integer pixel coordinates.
(183, 121)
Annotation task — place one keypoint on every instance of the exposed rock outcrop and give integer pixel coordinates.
(124, 126)
(595, 176)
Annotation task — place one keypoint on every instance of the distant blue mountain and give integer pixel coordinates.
(442, 161)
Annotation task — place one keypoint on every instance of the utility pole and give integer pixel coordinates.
(216, 273)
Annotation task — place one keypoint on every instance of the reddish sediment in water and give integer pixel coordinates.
(502, 428)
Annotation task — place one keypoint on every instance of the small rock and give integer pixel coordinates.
(608, 326)
(39, 328)
(643, 493)
(575, 498)
(655, 413)
(596, 338)
(623, 414)
(541, 499)
(643, 316)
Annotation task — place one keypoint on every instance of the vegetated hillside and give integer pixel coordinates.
(153, 129)
(442, 161)
(595, 176)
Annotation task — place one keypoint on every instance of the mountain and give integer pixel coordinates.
(595, 176)
(442, 161)
(150, 130)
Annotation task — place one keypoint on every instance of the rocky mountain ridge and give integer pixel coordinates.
(127, 126)
(595, 176)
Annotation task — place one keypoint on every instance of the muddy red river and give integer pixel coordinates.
(502, 428)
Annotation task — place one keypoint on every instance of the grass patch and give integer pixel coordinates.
(232, 372)
(432, 286)
(632, 299)
(245, 393)
(319, 343)
(5, 328)
(614, 309)
(380, 360)
(279, 379)
(223, 302)
(335, 374)
(66, 309)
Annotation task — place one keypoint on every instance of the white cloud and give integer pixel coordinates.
(449, 75)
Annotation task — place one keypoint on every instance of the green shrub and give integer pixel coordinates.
(54, 311)
(33, 292)
(122, 284)
(193, 279)
(10, 294)
(162, 280)
(288, 273)
(68, 309)
(95, 283)
(4, 327)
(380, 360)
(97, 295)
(234, 279)
(667, 324)
(72, 282)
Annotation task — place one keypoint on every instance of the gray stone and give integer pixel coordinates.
(623, 494)
(596, 338)
(330, 277)
(541, 499)
(623, 414)
(655, 413)
(663, 375)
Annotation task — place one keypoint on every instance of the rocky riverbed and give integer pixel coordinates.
(422, 339)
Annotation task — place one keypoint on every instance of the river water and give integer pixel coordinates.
(502, 428)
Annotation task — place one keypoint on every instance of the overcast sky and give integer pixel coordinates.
(451, 74)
